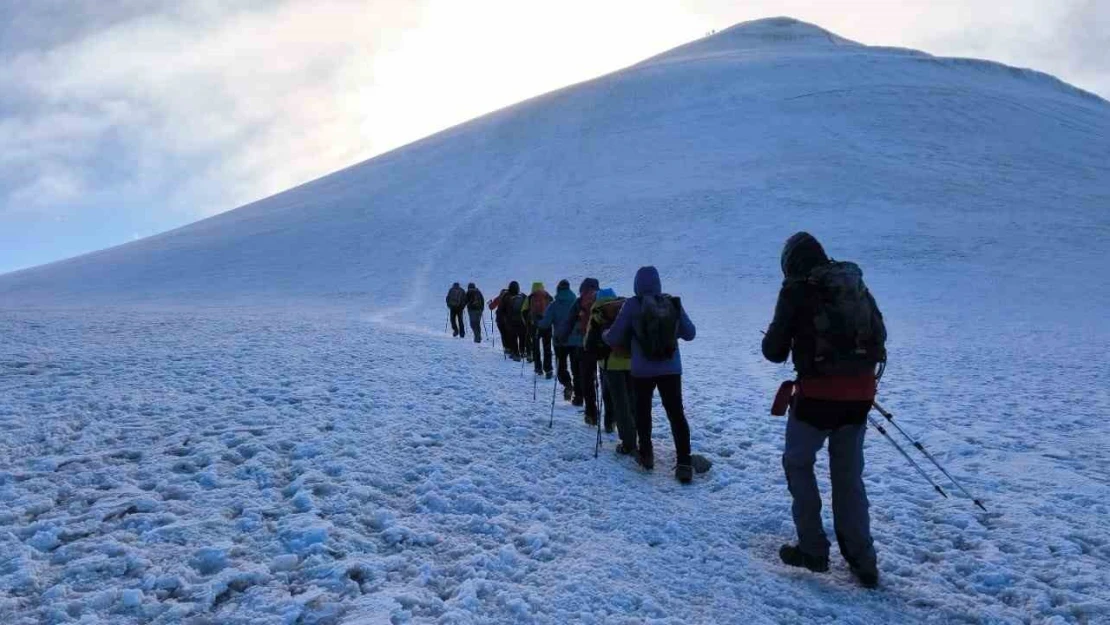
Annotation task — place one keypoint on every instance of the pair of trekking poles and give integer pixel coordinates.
(917, 444)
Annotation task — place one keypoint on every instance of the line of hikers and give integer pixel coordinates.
(825, 320)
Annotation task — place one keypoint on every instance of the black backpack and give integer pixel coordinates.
(515, 311)
(656, 329)
(848, 330)
(456, 297)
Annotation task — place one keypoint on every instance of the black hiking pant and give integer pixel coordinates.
(476, 324)
(457, 322)
(541, 338)
(518, 341)
(670, 392)
(504, 332)
(587, 375)
(562, 356)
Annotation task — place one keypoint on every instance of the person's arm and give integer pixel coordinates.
(619, 334)
(686, 329)
(780, 334)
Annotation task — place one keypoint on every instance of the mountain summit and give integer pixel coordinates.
(718, 148)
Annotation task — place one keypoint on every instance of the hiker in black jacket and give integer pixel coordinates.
(456, 302)
(475, 305)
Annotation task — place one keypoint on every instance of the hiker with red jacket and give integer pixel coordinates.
(456, 303)
(650, 325)
(574, 328)
(828, 321)
(535, 308)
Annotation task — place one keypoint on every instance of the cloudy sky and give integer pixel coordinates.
(123, 118)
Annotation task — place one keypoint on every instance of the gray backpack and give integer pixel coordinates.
(849, 334)
(656, 329)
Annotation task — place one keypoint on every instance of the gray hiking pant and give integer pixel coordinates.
(619, 385)
(476, 324)
(849, 497)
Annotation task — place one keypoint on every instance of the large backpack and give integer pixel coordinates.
(585, 305)
(656, 329)
(538, 305)
(514, 314)
(456, 298)
(848, 330)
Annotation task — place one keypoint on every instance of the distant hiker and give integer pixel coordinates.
(456, 302)
(535, 308)
(828, 321)
(650, 324)
(574, 328)
(513, 304)
(475, 303)
(616, 366)
(554, 318)
(499, 319)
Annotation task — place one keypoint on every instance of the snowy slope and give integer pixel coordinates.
(262, 401)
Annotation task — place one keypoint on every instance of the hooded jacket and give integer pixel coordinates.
(557, 313)
(511, 317)
(622, 333)
(474, 298)
(604, 312)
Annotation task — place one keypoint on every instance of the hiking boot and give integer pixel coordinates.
(578, 401)
(684, 473)
(626, 451)
(548, 375)
(610, 427)
(568, 392)
(529, 358)
(792, 555)
(454, 333)
(515, 358)
(590, 419)
(867, 576)
(646, 459)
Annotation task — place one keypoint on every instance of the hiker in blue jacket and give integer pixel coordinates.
(585, 369)
(555, 317)
(655, 370)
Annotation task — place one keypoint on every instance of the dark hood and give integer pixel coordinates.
(801, 254)
(647, 282)
(589, 284)
(514, 288)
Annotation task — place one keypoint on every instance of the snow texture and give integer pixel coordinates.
(257, 418)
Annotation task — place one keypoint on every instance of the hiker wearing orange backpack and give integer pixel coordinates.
(534, 309)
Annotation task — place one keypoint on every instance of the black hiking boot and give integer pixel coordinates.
(626, 451)
(590, 419)
(646, 459)
(684, 473)
(866, 575)
(792, 555)
(548, 375)
(578, 402)
(568, 393)
(610, 427)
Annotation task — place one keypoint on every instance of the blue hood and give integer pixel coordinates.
(606, 294)
(564, 295)
(647, 282)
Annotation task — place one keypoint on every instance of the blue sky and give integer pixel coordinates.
(120, 119)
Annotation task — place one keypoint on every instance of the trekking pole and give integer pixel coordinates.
(597, 407)
(878, 426)
(535, 383)
(555, 385)
(890, 418)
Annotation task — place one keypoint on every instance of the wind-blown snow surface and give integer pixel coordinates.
(256, 419)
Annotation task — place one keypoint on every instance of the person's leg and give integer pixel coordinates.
(462, 326)
(607, 406)
(619, 384)
(802, 443)
(476, 324)
(670, 393)
(454, 325)
(536, 336)
(546, 339)
(643, 392)
(576, 376)
(587, 371)
(851, 518)
(503, 330)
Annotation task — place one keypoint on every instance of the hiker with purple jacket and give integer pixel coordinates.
(650, 325)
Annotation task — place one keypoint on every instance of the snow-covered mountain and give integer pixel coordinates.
(255, 418)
